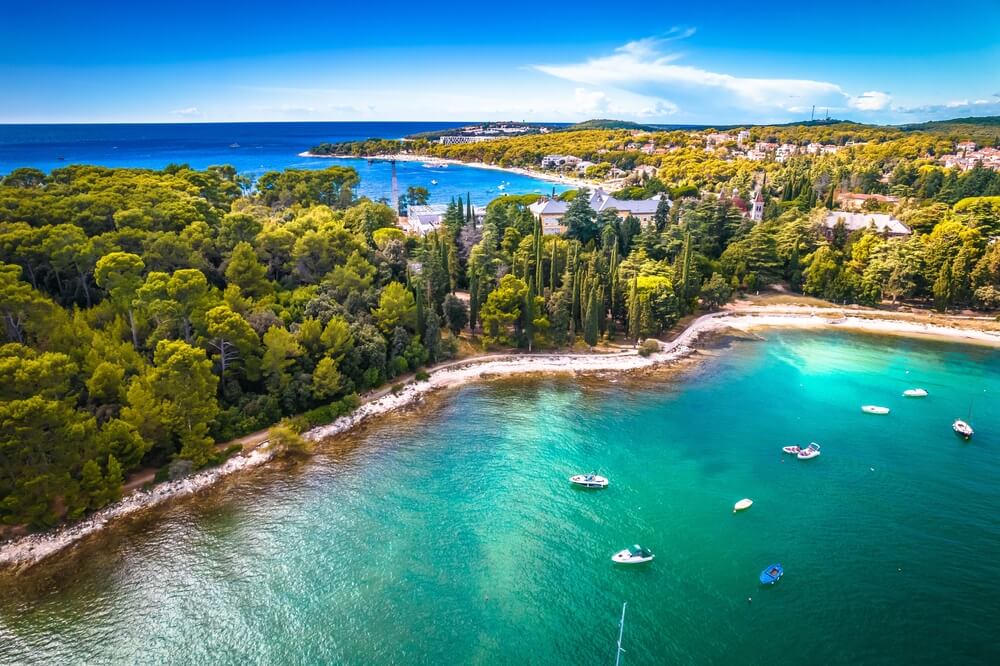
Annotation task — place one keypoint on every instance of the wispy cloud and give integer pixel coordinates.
(645, 67)
(189, 112)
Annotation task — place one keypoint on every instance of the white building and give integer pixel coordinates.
(550, 212)
(884, 222)
(423, 219)
(757, 207)
(453, 139)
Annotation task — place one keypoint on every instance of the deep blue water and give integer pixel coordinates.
(262, 147)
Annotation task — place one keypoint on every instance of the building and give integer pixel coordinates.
(757, 207)
(742, 137)
(423, 219)
(557, 161)
(884, 222)
(550, 212)
(857, 201)
(453, 139)
(965, 147)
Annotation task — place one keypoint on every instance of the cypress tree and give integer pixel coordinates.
(473, 301)
(552, 268)
(529, 314)
(470, 212)
(829, 197)
(418, 297)
(633, 311)
(538, 256)
(591, 327)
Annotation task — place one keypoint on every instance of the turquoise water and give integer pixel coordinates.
(452, 536)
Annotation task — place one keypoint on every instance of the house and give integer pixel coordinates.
(550, 212)
(557, 161)
(423, 219)
(856, 200)
(645, 171)
(583, 165)
(742, 137)
(884, 222)
(965, 147)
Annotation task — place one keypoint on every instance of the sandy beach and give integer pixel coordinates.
(427, 159)
(24, 552)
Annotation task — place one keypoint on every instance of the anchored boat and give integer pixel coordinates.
(874, 409)
(772, 574)
(633, 555)
(915, 393)
(793, 450)
(811, 451)
(589, 481)
(742, 505)
(963, 429)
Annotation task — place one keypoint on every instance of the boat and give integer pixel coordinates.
(963, 429)
(742, 505)
(633, 555)
(771, 574)
(874, 409)
(434, 165)
(234, 145)
(501, 187)
(915, 393)
(811, 451)
(433, 182)
(794, 450)
(589, 480)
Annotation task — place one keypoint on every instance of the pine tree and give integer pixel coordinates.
(113, 480)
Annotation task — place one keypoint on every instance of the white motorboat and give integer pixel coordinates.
(962, 428)
(742, 505)
(633, 555)
(793, 450)
(434, 165)
(811, 451)
(874, 409)
(433, 182)
(589, 480)
(915, 393)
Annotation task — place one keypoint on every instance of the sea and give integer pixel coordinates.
(450, 534)
(254, 148)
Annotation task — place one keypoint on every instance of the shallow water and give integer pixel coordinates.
(452, 536)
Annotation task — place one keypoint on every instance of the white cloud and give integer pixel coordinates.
(189, 112)
(643, 67)
(872, 100)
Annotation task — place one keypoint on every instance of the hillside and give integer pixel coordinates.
(984, 130)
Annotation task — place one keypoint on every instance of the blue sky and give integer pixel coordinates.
(658, 61)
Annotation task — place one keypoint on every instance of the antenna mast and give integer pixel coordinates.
(621, 630)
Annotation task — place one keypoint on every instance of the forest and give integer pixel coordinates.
(149, 315)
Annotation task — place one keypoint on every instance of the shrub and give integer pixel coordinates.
(287, 442)
(422, 375)
(396, 389)
(649, 347)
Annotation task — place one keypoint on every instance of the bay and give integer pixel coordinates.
(252, 148)
(450, 535)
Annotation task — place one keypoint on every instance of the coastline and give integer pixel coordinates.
(428, 159)
(27, 551)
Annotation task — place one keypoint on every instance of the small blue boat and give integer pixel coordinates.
(770, 575)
